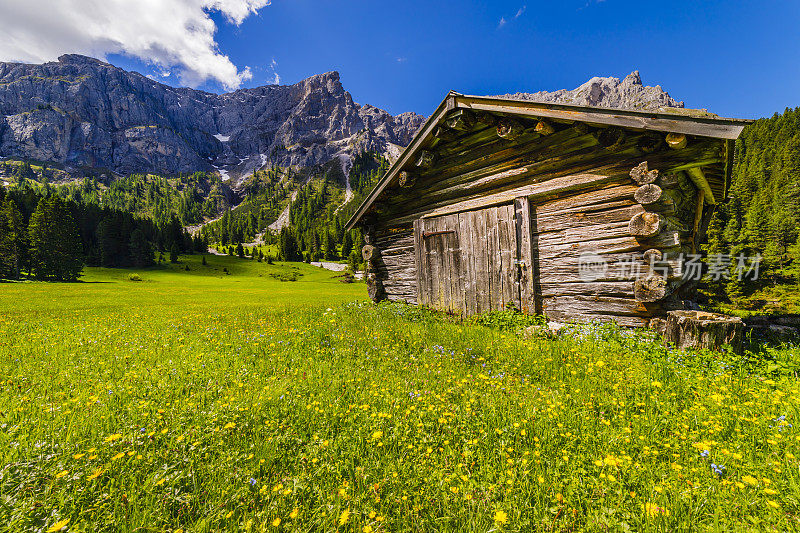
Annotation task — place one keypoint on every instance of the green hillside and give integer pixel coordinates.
(762, 216)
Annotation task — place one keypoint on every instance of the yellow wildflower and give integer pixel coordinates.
(500, 517)
(654, 510)
(750, 480)
(58, 526)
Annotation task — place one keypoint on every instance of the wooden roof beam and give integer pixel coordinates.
(699, 179)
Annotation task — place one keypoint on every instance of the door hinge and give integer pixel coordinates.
(427, 234)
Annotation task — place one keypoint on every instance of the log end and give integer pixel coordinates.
(676, 141)
(544, 128)
(648, 194)
(509, 129)
(370, 253)
(645, 225)
(650, 289)
(406, 179)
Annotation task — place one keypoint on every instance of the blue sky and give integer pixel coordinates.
(735, 58)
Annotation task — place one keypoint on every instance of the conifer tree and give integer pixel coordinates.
(12, 240)
(140, 251)
(56, 250)
(347, 244)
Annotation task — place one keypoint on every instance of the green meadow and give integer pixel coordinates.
(221, 398)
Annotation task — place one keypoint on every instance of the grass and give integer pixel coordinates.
(200, 401)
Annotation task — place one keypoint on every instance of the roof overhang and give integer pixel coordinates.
(688, 122)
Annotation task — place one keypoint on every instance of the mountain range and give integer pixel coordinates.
(80, 114)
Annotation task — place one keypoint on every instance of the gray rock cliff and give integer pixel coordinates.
(82, 112)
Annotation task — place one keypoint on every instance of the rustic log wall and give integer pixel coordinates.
(395, 269)
(632, 197)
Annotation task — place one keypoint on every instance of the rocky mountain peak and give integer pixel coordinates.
(78, 59)
(629, 93)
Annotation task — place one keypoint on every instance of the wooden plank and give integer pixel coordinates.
(441, 293)
(479, 247)
(580, 234)
(456, 270)
(432, 262)
(489, 217)
(556, 221)
(450, 274)
(617, 289)
(600, 305)
(508, 253)
(466, 264)
(522, 217)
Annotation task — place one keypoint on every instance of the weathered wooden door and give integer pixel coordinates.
(468, 262)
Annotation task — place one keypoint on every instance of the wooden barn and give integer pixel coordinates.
(578, 213)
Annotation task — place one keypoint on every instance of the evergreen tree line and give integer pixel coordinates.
(317, 222)
(265, 194)
(762, 213)
(51, 238)
(192, 198)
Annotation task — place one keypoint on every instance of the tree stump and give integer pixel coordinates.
(698, 329)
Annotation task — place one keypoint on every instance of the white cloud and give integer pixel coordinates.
(175, 35)
(504, 21)
(273, 68)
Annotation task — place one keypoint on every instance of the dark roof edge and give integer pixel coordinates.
(720, 128)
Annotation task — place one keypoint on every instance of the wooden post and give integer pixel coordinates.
(698, 329)
(374, 287)
(699, 178)
(698, 217)
(371, 254)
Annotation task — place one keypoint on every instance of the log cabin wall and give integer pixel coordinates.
(635, 198)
